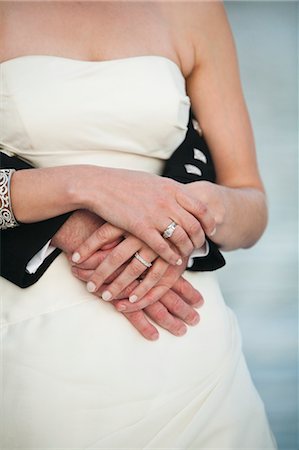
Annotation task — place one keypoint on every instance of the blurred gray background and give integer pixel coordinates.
(260, 284)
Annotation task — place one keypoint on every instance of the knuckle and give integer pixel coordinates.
(116, 258)
(201, 208)
(194, 228)
(150, 298)
(177, 306)
(162, 247)
(161, 315)
(97, 278)
(135, 269)
(180, 236)
(141, 227)
(155, 275)
(100, 234)
(117, 286)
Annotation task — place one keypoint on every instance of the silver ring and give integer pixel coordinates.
(168, 232)
(143, 261)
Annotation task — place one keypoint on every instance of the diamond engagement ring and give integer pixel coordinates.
(143, 261)
(169, 230)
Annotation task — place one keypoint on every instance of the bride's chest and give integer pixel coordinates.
(93, 31)
(52, 105)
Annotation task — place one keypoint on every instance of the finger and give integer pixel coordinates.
(180, 238)
(161, 316)
(105, 234)
(82, 274)
(132, 272)
(93, 261)
(179, 308)
(85, 274)
(158, 244)
(151, 297)
(116, 258)
(143, 325)
(152, 277)
(187, 292)
(199, 210)
(192, 227)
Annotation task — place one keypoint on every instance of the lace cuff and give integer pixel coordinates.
(7, 218)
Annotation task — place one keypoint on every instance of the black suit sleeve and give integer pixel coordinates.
(192, 161)
(20, 244)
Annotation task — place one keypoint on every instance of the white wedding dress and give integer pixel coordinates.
(75, 373)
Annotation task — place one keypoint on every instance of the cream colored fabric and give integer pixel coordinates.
(75, 373)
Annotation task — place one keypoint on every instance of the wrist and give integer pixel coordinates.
(85, 188)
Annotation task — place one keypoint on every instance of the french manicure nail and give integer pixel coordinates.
(76, 257)
(106, 296)
(91, 287)
(133, 298)
(179, 262)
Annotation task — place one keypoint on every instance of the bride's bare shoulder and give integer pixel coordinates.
(196, 26)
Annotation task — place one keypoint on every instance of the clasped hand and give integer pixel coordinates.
(165, 297)
(144, 205)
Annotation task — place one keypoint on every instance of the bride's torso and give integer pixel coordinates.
(126, 113)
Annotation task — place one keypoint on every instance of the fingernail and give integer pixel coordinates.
(91, 287)
(181, 331)
(106, 296)
(194, 321)
(179, 262)
(213, 232)
(76, 257)
(154, 336)
(133, 298)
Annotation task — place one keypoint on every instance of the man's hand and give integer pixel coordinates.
(79, 226)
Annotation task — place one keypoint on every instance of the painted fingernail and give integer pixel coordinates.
(76, 257)
(213, 232)
(91, 287)
(179, 262)
(106, 295)
(133, 298)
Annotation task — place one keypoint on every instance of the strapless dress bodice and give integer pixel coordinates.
(130, 112)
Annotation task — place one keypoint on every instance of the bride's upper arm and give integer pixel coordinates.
(217, 100)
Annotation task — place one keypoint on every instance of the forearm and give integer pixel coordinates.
(38, 194)
(240, 213)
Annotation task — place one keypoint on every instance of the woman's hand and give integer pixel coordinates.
(130, 260)
(144, 205)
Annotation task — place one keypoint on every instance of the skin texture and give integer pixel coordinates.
(170, 305)
(196, 36)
